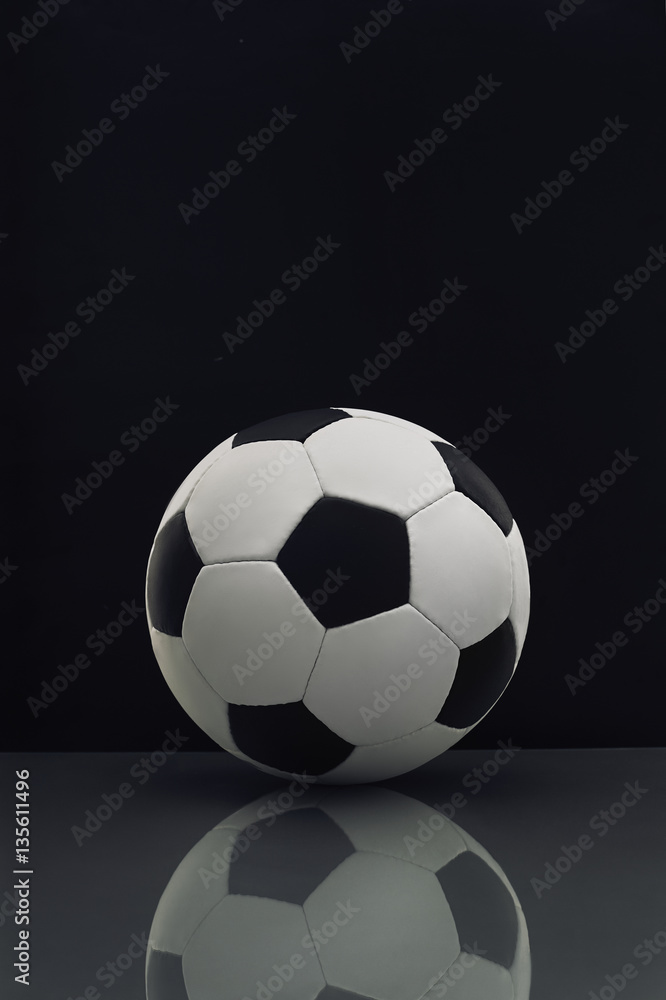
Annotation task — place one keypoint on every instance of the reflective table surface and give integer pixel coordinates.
(502, 873)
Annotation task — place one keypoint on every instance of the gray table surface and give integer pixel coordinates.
(94, 893)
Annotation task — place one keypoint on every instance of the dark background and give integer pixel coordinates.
(324, 175)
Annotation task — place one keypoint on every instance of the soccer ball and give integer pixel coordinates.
(337, 593)
(338, 893)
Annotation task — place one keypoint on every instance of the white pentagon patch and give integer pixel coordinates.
(192, 690)
(238, 945)
(471, 977)
(378, 464)
(382, 821)
(247, 504)
(366, 903)
(242, 630)
(181, 496)
(389, 419)
(461, 569)
(520, 605)
(387, 760)
(372, 683)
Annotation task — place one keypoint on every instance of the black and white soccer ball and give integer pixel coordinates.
(337, 593)
(338, 894)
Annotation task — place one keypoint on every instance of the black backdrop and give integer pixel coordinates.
(219, 74)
